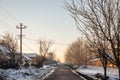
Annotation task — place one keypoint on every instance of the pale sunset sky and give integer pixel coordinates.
(44, 19)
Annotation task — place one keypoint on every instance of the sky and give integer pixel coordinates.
(45, 19)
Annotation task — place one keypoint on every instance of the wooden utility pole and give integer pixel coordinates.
(21, 27)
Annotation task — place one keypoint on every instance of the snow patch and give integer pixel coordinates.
(92, 70)
(25, 74)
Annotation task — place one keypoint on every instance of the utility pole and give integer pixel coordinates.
(21, 27)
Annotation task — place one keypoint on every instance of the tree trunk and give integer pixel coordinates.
(105, 69)
(85, 63)
(105, 72)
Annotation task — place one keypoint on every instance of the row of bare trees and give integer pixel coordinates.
(77, 53)
(99, 22)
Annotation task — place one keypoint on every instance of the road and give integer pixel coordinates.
(63, 73)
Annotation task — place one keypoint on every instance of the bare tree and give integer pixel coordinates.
(100, 49)
(99, 19)
(44, 47)
(77, 53)
(10, 43)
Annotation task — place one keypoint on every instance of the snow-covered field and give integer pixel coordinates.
(92, 70)
(25, 74)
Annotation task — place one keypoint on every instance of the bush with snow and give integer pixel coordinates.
(24, 74)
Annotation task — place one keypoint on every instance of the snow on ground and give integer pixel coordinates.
(25, 74)
(92, 70)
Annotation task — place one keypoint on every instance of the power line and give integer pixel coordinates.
(46, 42)
(30, 39)
(53, 42)
(61, 44)
(28, 47)
(9, 14)
(5, 18)
(5, 24)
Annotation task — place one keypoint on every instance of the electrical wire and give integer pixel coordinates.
(9, 14)
(46, 42)
(28, 47)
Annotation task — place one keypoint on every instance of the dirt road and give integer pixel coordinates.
(63, 73)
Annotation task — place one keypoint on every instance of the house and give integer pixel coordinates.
(30, 56)
(97, 62)
(6, 54)
(26, 59)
